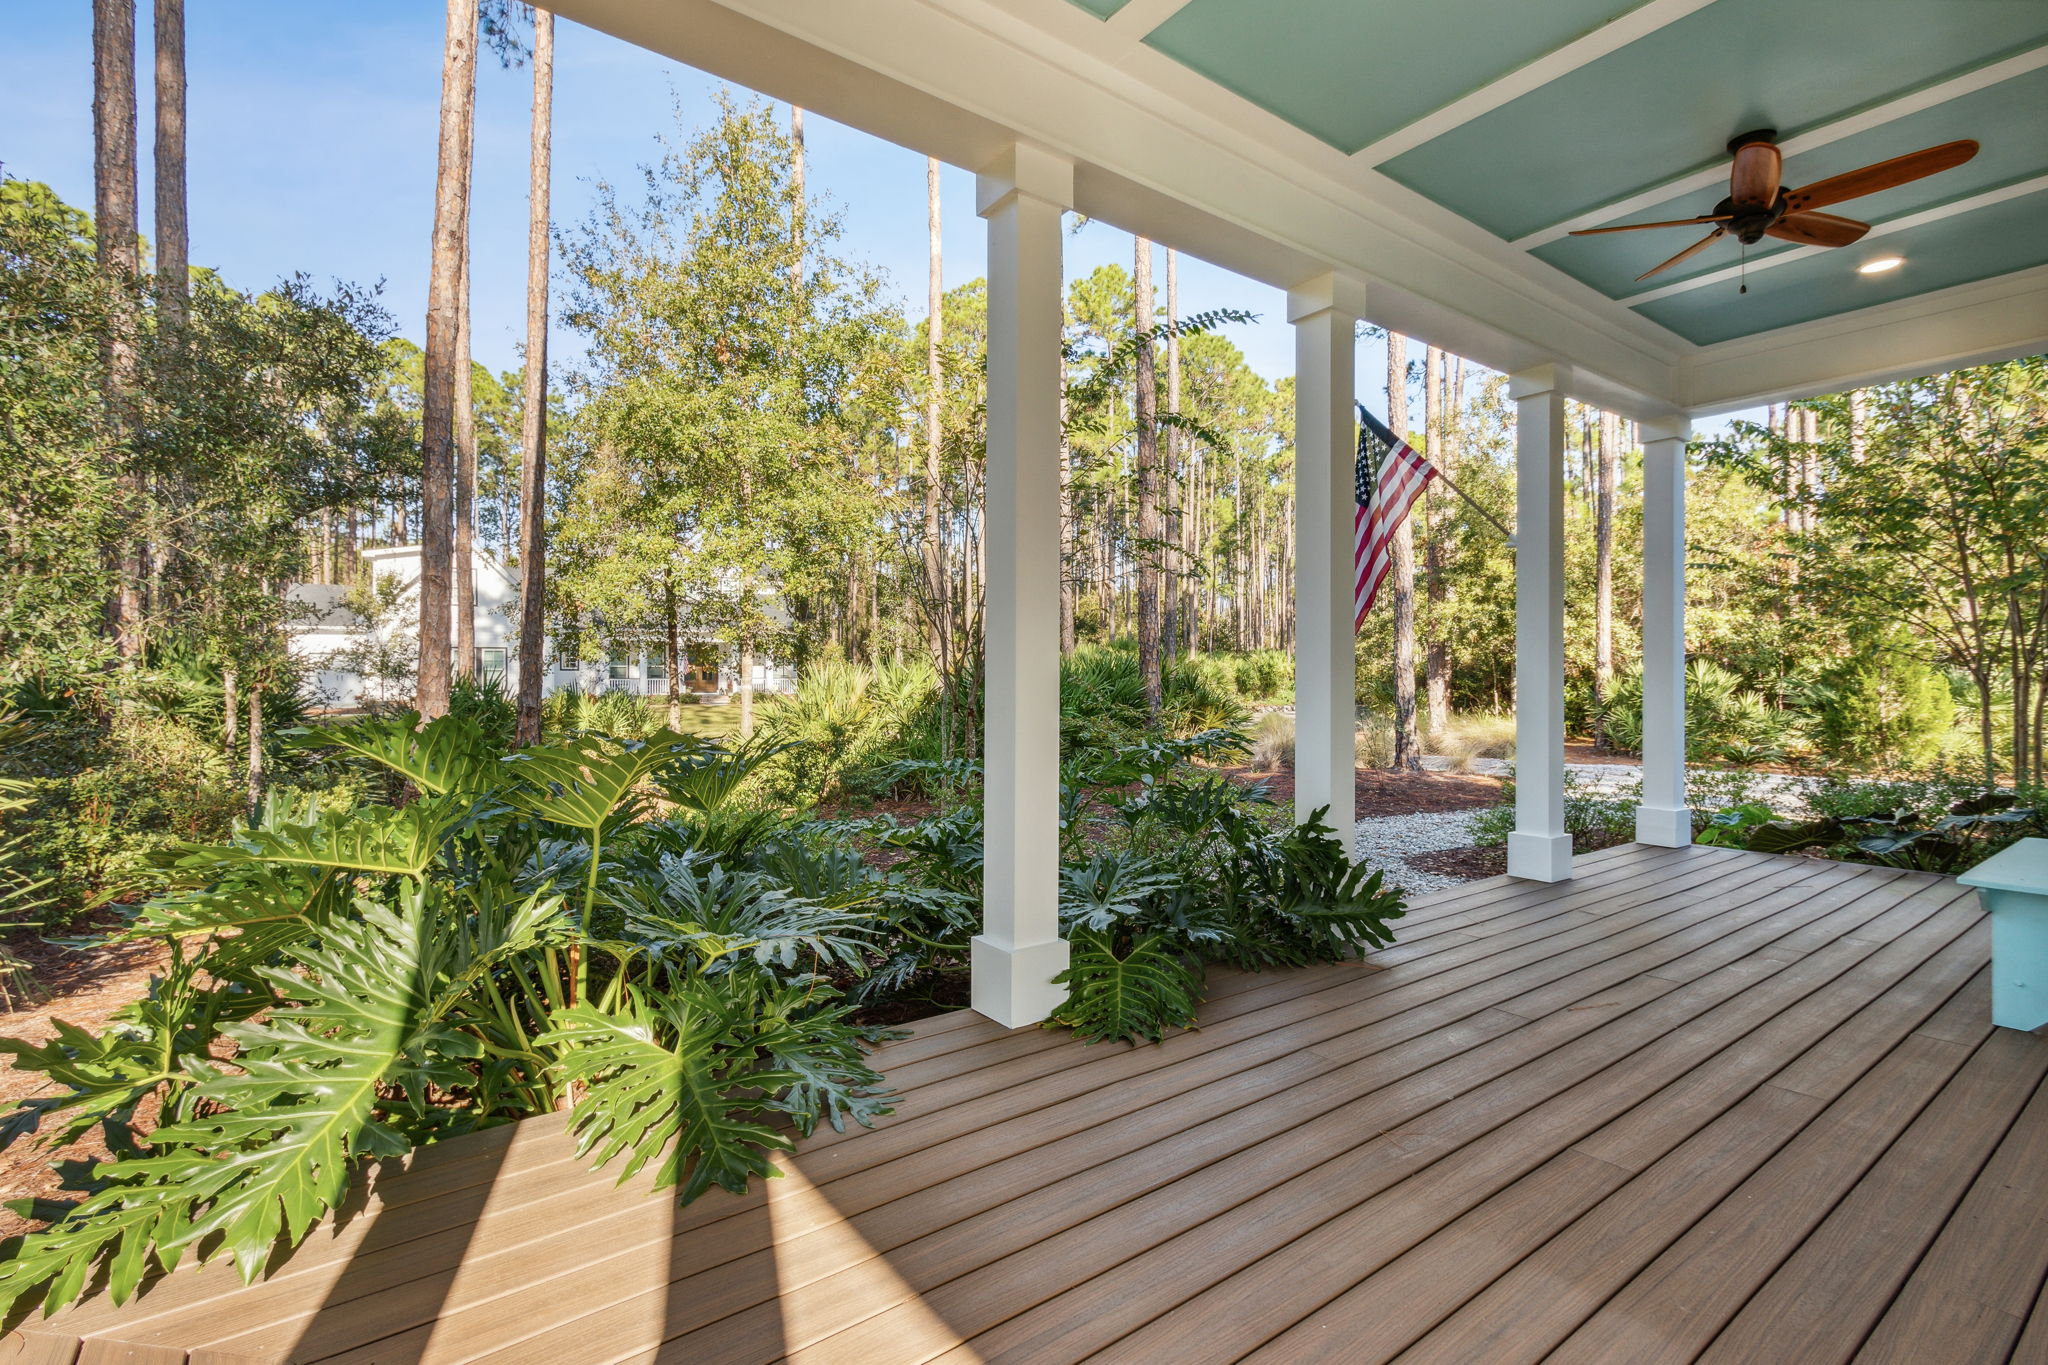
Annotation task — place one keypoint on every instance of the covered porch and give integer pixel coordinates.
(1421, 169)
(1693, 1104)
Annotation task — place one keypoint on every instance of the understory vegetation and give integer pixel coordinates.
(637, 929)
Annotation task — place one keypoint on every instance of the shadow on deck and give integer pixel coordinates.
(1694, 1105)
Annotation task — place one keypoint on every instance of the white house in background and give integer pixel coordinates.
(351, 659)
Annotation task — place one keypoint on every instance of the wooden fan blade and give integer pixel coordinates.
(1638, 227)
(1701, 245)
(1881, 176)
(1817, 229)
(1753, 183)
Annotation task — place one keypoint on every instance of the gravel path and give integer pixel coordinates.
(1384, 842)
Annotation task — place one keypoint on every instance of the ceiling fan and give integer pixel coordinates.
(1757, 206)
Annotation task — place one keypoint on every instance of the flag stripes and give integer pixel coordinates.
(1390, 476)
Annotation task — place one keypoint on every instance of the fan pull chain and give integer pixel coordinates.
(1742, 268)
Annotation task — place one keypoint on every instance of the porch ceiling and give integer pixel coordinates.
(1650, 118)
(1439, 154)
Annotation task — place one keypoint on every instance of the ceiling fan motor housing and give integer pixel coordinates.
(1750, 226)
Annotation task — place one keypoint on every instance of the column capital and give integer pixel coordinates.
(1538, 380)
(1330, 292)
(1678, 428)
(1022, 169)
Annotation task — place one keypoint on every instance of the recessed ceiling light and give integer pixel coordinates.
(1877, 265)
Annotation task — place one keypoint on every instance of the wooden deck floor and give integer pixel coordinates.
(1694, 1105)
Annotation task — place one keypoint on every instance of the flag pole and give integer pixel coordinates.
(1506, 534)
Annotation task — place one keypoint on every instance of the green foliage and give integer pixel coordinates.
(1887, 707)
(1942, 823)
(1724, 718)
(1138, 992)
(1594, 817)
(401, 973)
(614, 712)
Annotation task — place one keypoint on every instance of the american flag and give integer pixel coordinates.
(1391, 476)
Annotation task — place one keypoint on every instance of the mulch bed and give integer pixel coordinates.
(1390, 793)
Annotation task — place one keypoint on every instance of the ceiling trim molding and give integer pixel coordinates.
(1953, 209)
(1139, 17)
(1609, 37)
(1927, 97)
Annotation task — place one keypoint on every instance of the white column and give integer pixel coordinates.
(1539, 849)
(1663, 817)
(1019, 950)
(1325, 313)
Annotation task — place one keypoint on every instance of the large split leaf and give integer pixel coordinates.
(368, 1017)
(1139, 993)
(675, 1078)
(375, 839)
(446, 755)
(582, 783)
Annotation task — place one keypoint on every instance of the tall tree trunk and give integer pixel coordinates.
(173, 273)
(443, 354)
(1603, 571)
(672, 650)
(464, 549)
(1407, 743)
(1149, 656)
(746, 683)
(796, 194)
(533, 434)
(1177, 560)
(114, 235)
(1437, 651)
(255, 790)
(229, 711)
(935, 574)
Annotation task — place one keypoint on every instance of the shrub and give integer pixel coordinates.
(485, 703)
(1594, 818)
(614, 712)
(512, 937)
(1375, 741)
(1724, 718)
(1273, 742)
(1887, 708)
(1470, 737)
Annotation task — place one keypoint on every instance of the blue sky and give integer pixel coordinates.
(311, 140)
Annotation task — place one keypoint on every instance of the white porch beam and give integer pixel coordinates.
(1539, 849)
(1325, 313)
(1019, 950)
(1663, 818)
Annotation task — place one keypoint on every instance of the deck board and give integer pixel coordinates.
(1693, 1104)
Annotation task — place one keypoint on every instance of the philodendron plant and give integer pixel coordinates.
(346, 985)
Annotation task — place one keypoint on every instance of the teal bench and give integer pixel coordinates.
(2014, 888)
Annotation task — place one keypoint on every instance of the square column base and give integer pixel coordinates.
(1664, 826)
(1014, 986)
(1540, 857)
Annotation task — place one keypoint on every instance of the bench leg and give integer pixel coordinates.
(2019, 958)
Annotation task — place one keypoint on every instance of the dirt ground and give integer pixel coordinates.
(1389, 793)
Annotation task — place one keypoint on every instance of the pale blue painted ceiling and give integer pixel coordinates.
(1351, 72)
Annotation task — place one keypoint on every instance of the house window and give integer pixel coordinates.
(622, 669)
(490, 664)
(657, 668)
